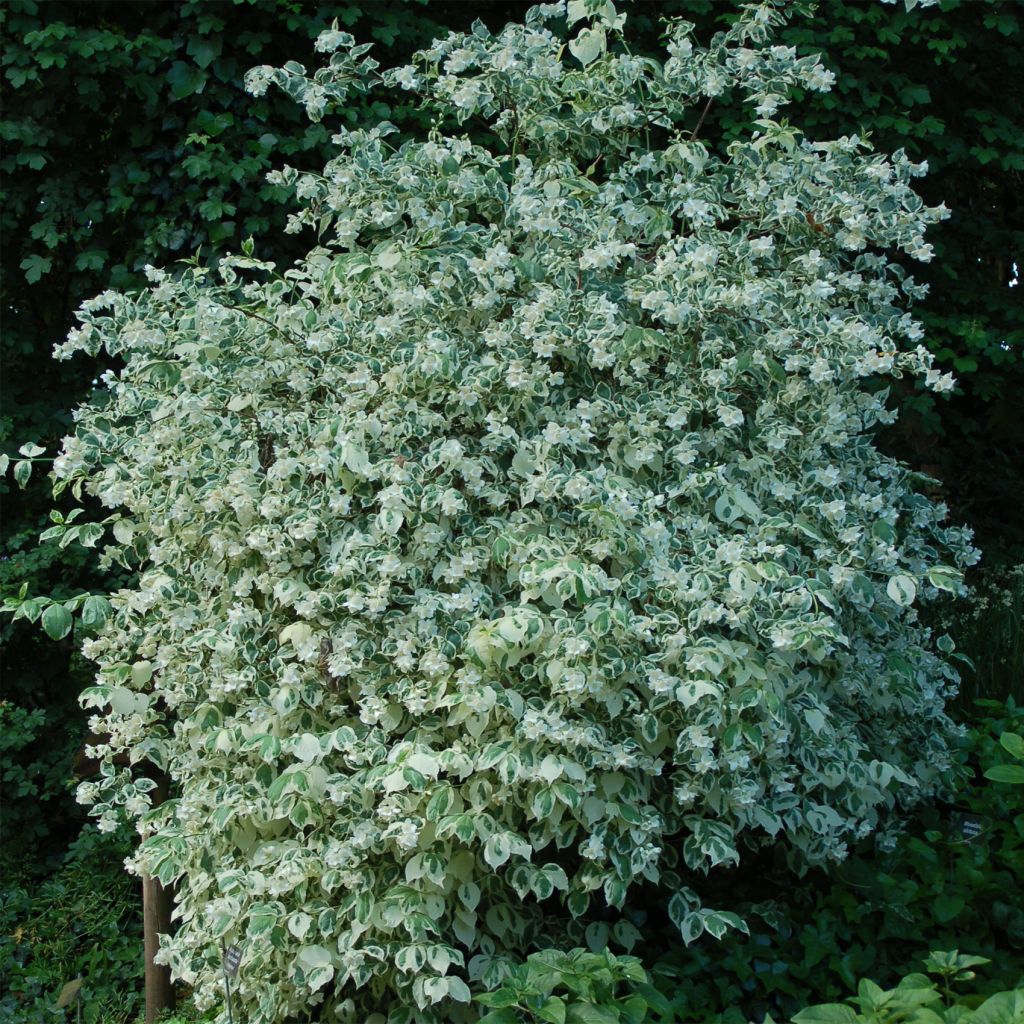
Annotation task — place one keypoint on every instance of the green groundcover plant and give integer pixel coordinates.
(525, 543)
(579, 987)
(81, 922)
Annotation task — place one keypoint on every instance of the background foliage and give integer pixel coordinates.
(82, 921)
(127, 139)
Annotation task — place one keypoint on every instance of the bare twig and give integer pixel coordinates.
(263, 319)
(700, 122)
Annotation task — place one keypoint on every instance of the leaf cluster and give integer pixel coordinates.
(953, 877)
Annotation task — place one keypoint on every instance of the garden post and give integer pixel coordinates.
(156, 919)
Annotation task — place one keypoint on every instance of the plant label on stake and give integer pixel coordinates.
(968, 826)
(232, 958)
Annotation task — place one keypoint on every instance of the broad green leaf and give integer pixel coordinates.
(552, 1011)
(36, 267)
(590, 1013)
(1001, 1008)
(57, 621)
(1012, 743)
(826, 1013)
(947, 906)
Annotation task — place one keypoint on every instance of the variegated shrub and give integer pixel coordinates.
(526, 540)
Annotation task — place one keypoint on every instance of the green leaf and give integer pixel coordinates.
(57, 621)
(589, 1013)
(941, 961)
(504, 1016)
(205, 49)
(826, 1013)
(1013, 744)
(947, 906)
(1002, 1008)
(185, 79)
(35, 267)
(91, 259)
(499, 999)
(634, 1010)
(553, 1011)
(1010, 773)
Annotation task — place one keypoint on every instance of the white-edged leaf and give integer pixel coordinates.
(902, 589)
(945, 577)
(307, 747)
(588, 45)
(57, 621)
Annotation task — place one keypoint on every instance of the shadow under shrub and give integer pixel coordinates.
(988, 629)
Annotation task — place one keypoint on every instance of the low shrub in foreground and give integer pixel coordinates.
(579, 987)
(587, 988)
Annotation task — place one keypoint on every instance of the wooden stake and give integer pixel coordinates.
(156, 920)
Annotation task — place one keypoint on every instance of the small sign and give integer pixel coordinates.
(69, 993)
(968, 826)
(232, 958)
